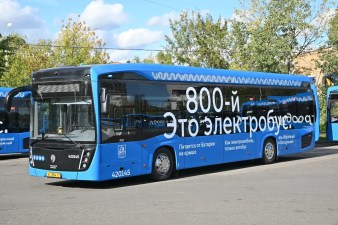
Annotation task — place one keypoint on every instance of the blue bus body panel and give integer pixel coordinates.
(331, 128)
(239, 147)
(9, 143)
(12, 143)
(332, 132)
(5, 90)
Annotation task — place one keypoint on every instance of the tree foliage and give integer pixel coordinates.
(277, 32)
(328, 63)
(264, 35)
(28, 58)
(78, 44)
(164, 58)
(8, 47)
(329, 54)
(161, 58)
(197, 41)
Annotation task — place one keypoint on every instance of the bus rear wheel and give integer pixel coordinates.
(269, 151)
(163, 164)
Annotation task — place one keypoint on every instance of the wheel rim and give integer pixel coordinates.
(269, 150)
(162, 164)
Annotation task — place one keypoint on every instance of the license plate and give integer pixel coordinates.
(53, 174)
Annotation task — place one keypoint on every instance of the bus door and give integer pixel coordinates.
(123, 153)
(202, 149)
(240, 138)
(240, 146)
(332, 119)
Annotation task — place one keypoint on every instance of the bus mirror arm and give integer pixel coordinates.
(10, 95)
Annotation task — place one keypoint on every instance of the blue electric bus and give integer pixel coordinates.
(331, 81)
(332, 114)
(102, 122)
(14, 125)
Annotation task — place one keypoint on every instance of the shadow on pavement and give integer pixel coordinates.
(321, 149)
(13, 156)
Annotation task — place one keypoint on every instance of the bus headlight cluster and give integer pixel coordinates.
(39, 158)
(85, 160)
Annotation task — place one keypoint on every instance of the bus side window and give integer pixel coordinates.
(14, 121)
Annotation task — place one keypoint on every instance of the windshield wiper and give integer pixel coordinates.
(37, 139)
(74, 142)
(34, 141)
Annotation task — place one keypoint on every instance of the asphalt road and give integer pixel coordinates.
(299, 189)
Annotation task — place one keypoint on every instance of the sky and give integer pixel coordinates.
(121, 24)
(124, 24)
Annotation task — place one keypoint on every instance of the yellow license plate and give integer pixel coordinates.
(53, 175)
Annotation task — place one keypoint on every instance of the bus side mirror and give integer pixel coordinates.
(104, 100)
(10, 95)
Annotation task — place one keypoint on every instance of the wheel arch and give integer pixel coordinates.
(168, 152)
(274, 140)
(172, 151)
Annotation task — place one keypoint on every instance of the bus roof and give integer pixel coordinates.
(5, 90)
(204, 75)
(332, 89)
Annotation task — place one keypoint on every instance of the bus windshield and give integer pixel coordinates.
(64, 118)
(17, 120)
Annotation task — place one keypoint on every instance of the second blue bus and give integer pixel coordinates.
(14, 125)
(332, 114)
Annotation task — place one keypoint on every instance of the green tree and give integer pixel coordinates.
(328, 63)
(27, 58)
(8, 47)
(77, 44)
(238, 49)
(277, 32)
(161, 58)
(164, 58)
(149, 60)
(197, 41)
(329, 54)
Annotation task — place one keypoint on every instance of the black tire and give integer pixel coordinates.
(269, 151)
(163, 165)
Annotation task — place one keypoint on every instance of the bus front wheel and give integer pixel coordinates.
(163, 164)
(269, 151)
